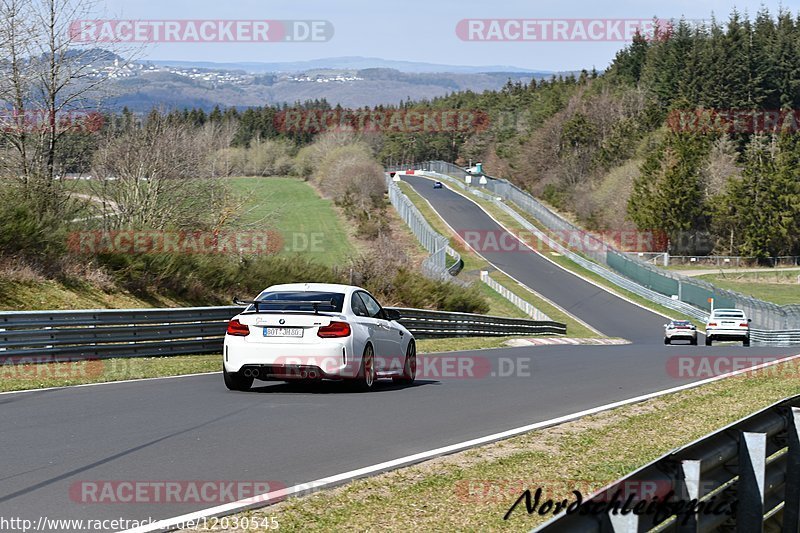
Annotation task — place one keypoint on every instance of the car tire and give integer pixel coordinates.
(409, 365)
(366, 373)
(708, 340)
(667, 341)
(746, 343)
(693, 342)
(236, 380)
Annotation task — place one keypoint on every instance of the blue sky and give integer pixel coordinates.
(412, 30)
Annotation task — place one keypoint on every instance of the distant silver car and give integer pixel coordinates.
(680, 330)
(437, 184)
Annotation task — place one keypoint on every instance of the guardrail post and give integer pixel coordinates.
(750, 488)
(624, 523)
(691, 484)
(791, 509)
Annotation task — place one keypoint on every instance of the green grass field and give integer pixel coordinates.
(776, 286)
(309, 224)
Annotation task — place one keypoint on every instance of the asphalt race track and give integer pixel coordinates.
(192, 428)
(607, 313)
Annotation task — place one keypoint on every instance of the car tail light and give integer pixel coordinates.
(712, 323)
(334, 329)
(743, 325)
(237, 329)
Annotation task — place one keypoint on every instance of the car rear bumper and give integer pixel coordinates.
(688, 335)
(727, 334)
(334, 360)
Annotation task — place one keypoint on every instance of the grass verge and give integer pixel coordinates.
(309, 224)
(472, 490)
(775, 286)
(36, 295)
(23, 376)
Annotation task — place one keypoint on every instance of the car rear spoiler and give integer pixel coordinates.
(314, 303)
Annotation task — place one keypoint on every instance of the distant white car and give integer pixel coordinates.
(680, 330)
(315, 331)
(728, 325)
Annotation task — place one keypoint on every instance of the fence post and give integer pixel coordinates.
(691, 483)
(752, 466)
(791, 509)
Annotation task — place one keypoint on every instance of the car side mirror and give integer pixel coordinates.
(749, 320)
(392, 314)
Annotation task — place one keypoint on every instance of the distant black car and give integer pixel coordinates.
(437, 184)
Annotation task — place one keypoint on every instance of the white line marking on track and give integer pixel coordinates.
(263, 500)
(110, 382)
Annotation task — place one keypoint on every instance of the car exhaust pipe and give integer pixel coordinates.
(255, 373)
(248, 372)
(303, 374)
(312, 374)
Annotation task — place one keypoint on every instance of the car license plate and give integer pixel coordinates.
(283, 332)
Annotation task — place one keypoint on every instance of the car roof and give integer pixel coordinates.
(312, 287)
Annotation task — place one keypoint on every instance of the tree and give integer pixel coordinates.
(44, 80)
(668, 194)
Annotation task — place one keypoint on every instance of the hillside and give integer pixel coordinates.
(693, 134)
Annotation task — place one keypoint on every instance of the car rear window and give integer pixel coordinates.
(300, 301)
(728, 314)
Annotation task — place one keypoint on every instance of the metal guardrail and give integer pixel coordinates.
(735, 261)
(74, 335)
(526, 307)
(50, 336)
(435, 265)
(751, 467)
(423, 323)
(775, 337)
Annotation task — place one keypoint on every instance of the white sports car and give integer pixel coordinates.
(680, 329)
(314, 331)
(728, 325)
